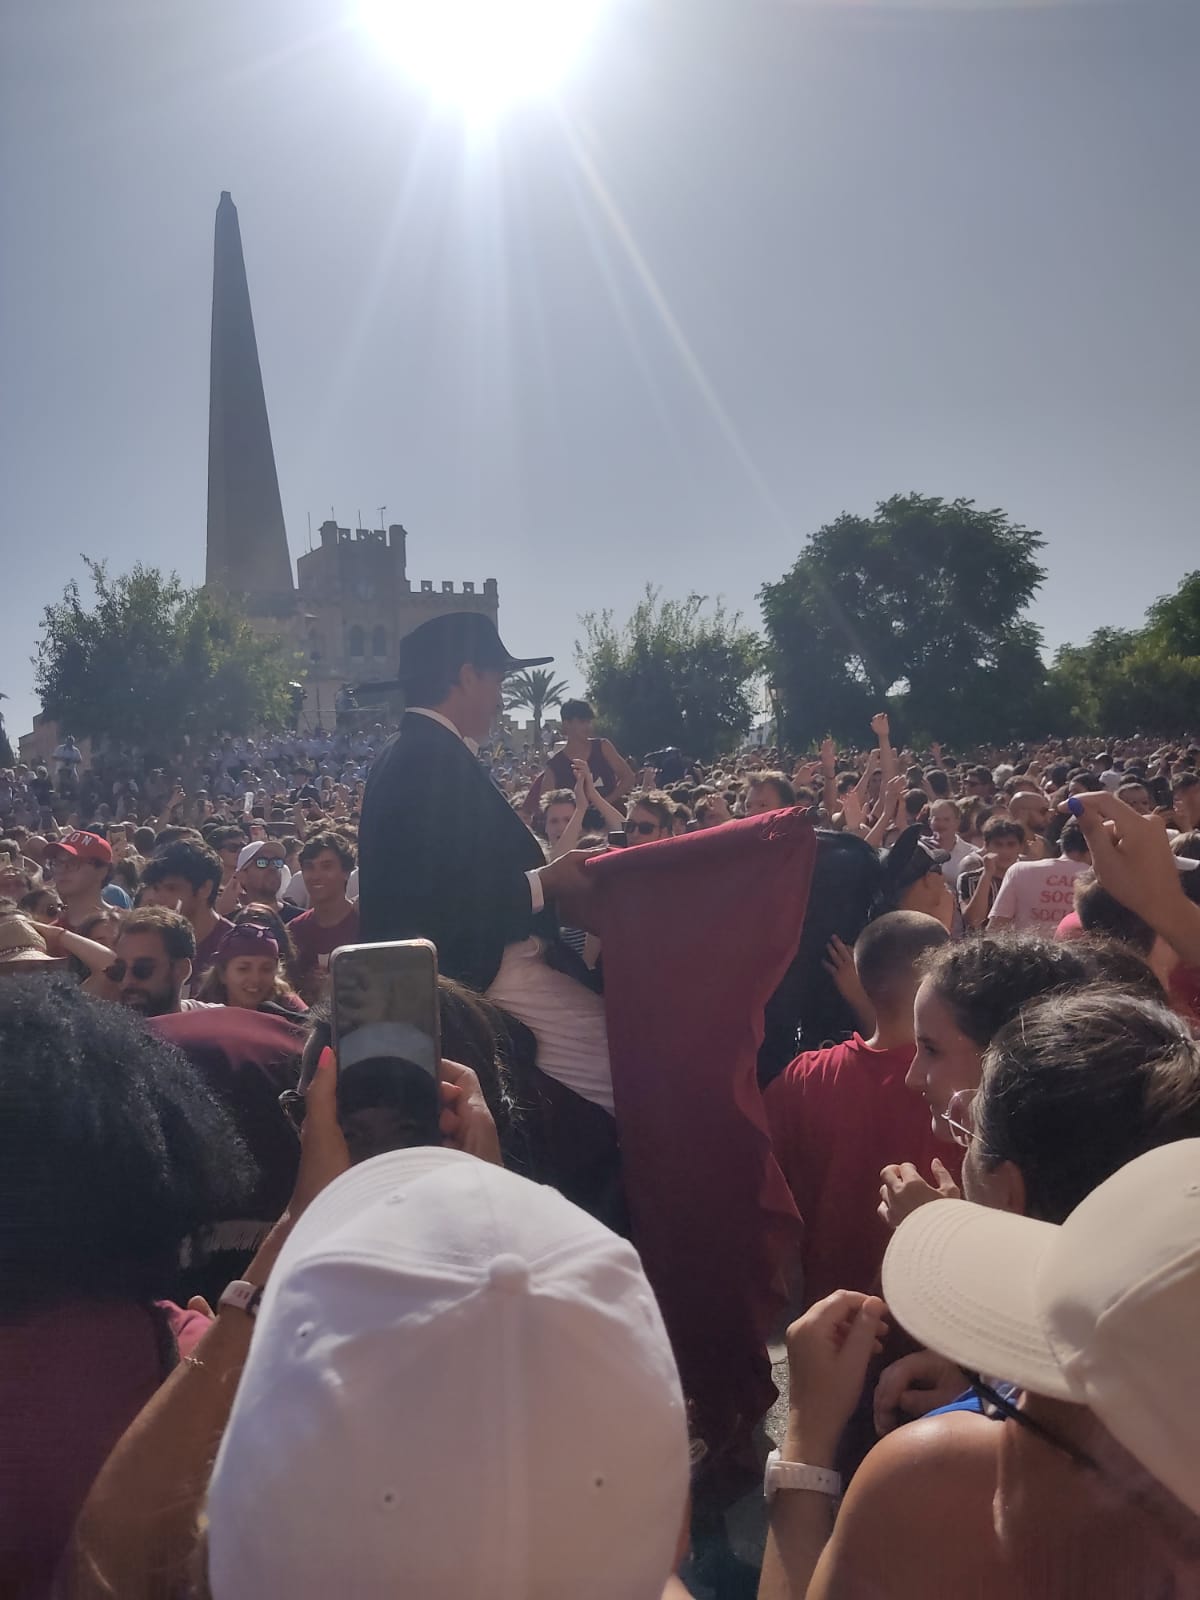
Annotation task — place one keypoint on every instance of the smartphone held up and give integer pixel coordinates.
(387, 1036)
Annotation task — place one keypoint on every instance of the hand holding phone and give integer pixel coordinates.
(387, 1035)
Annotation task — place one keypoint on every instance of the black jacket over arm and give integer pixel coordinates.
(444, 856)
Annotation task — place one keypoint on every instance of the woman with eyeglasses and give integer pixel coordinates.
(1079, 1478)
(970, 990)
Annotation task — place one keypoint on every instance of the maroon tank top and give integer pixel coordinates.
(598, 764)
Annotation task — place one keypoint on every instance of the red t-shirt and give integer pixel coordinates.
(316, 943)
(836, 1118)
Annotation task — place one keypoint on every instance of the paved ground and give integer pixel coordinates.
(727, 1554)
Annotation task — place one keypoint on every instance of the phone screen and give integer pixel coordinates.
(387, 1037)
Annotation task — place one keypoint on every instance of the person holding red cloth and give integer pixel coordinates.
(838, 1116)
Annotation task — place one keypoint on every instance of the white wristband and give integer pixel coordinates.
(242, 1296)
(782, 1474)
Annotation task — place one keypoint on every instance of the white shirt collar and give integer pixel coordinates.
(436, 716)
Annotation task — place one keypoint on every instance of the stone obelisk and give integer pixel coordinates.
(247, 542)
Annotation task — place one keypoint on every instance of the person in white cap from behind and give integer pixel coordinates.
(1088, 1488)
(458, 1385)
(467, 1380)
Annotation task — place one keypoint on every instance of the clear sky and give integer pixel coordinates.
(759, 261)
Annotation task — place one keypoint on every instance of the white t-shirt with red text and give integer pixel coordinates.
(1037, 895)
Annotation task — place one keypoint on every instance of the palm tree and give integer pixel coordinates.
(535, 689)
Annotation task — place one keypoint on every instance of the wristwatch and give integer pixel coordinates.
(242, 1296)
(782, 1474)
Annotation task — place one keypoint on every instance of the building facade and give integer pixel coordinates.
(355, 602)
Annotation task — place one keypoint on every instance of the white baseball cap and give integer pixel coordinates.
(1102, 1310)
(251, 852)
(458, 1384)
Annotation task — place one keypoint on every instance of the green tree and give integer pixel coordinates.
(1158, 691)
(1084, 676)
(673, 674)
(6, 750)
(920, 606)
(1124, 682)
(535, 689)
(1174, 620)
(152, 661)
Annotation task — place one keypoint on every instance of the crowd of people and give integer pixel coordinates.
(249, 1352)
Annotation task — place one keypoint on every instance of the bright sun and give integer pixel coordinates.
(482, 55)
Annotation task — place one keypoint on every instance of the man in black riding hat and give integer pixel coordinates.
(443, 855)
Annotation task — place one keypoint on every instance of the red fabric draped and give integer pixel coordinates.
(697, 932)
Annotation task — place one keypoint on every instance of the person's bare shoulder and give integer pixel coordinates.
(920, 1504)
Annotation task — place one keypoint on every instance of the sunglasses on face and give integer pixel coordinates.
(641, 828)
(142, 969)
(266, 861)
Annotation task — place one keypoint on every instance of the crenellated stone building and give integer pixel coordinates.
(356, 601)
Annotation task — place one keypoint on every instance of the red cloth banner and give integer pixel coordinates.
(697, 933)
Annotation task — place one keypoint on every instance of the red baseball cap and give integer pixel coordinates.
(85, 847)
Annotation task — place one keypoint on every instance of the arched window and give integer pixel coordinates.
(358, 642)
(379, 642)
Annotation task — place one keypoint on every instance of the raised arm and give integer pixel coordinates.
(892, 794)
(573, 831)
(863, 786)
(881, 728)
(625, 775)
(1132, 859)
(613, 816)
(96, 957)
(829, 794)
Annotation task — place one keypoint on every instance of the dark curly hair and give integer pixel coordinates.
(195, 863)
(328, 840)
(1080, 1085)
(112, 1151)
(985, 982)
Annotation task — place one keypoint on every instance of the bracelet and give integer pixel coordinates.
(782, 1474)
(242, 1296)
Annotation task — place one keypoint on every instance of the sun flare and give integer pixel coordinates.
(482, 55)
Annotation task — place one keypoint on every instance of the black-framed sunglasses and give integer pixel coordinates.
(267, 861)
(143, 968)
(642, 828)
